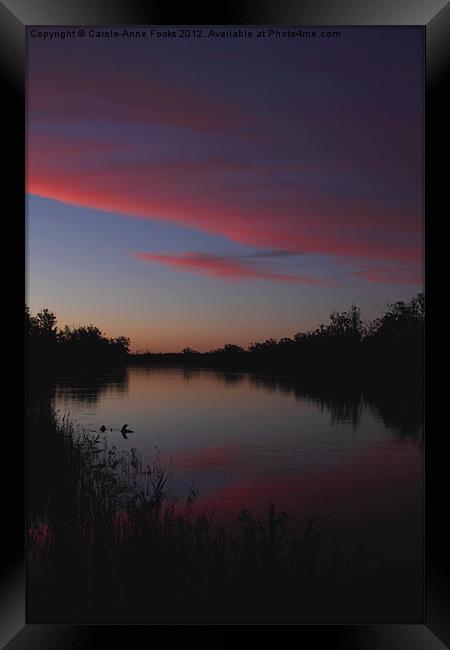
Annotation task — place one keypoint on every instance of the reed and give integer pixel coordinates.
(111, 546)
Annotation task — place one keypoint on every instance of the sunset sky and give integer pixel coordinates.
(193, 192)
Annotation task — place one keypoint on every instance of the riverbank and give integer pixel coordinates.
(106, 543)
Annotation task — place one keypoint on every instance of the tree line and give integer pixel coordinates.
(49, 346)
(392, 343)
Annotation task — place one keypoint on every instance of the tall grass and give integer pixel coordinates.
(111, 543)
(111, 546)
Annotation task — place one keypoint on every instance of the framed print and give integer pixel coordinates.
(225, 219)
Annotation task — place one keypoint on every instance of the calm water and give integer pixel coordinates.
(243, 440)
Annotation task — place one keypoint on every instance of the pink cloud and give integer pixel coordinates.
(125, 98)
(125, 136)
(228, 268)
(197, 196)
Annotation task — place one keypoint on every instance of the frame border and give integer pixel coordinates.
(434, 17)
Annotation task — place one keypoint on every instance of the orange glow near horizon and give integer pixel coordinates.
(165, 207)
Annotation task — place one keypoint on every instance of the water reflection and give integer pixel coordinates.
(251, 427)
(401, 412)
(244, 440)
(89, 389)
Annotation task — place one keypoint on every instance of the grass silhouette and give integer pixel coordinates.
(108, 545)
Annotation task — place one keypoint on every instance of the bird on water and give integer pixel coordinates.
(124, 430)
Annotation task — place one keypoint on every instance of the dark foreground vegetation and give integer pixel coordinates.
(107, 544)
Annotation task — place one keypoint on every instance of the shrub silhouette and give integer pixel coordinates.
(344, 349)
(81, 346)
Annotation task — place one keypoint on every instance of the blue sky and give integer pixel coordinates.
(196, 193)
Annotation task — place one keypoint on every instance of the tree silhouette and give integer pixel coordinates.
(341, 349)
(82, 346)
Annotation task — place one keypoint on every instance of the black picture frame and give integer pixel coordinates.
(434, 17)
